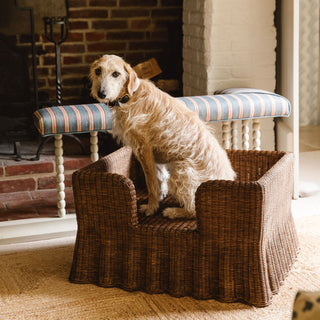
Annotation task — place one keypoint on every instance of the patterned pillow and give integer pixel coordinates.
(306, 306)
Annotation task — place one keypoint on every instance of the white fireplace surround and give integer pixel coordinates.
(230, 43)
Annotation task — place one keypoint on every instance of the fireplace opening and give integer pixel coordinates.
(18, 82)
(21, 26)
(17, 102)
(134, 30)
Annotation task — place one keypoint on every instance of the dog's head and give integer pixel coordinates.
(112, 78)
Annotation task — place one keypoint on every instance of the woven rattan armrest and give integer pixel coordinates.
(104, 197)
(229, 206)
(118, 162)
(122, 162)
(247, 227)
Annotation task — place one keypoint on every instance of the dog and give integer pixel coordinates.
(176, 149)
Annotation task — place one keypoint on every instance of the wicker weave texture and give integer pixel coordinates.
(240, 247)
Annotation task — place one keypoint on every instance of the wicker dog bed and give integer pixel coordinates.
(240, 247)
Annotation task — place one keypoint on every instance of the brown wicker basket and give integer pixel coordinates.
(239, 248)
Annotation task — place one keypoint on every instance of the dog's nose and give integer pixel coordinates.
(101, 94)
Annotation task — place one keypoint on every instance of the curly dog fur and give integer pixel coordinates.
(176, 149)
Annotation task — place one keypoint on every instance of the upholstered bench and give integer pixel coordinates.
(226, 106)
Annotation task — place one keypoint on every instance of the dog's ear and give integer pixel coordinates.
(92, 67)
(133, 81)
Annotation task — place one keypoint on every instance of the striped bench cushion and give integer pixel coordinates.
(228, 104)
(238, 104)
(73, 119)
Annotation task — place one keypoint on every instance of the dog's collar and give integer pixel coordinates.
(124, 99)
(115, 103)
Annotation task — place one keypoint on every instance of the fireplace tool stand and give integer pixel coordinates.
(49, 24)
(61, 24)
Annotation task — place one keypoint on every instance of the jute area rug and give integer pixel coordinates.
(34, 285)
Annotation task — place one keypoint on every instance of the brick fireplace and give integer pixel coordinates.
(225, 43)
(205, 45)
(219, 48)
(135, 30)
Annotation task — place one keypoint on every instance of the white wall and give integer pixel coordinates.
(309, 63)
(230, 43)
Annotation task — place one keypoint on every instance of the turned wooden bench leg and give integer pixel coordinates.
(58, 144)
(94, 146)
(230, 134)
(256, 134)
(245, 135)
(226, 134)
(234, 134)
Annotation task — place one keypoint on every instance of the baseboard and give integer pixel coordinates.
(37, 229)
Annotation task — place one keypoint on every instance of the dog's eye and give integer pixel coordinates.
(116, 74)
(97, 71)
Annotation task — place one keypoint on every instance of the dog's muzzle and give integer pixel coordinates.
(101, 94)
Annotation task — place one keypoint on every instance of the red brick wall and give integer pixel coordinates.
(28, 189)
(134, 29)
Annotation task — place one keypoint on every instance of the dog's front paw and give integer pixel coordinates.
(170, 213)
(147, 210)
(173, 213)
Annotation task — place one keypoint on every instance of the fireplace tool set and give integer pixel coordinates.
(61, 23)
(51, 26)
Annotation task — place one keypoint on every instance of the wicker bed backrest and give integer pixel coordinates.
(249, 166)
(252, 165)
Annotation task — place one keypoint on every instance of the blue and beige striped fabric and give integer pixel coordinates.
(238, 104)
(73, 119)
(224, 105)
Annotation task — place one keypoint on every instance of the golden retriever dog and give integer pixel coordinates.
(176, 149)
